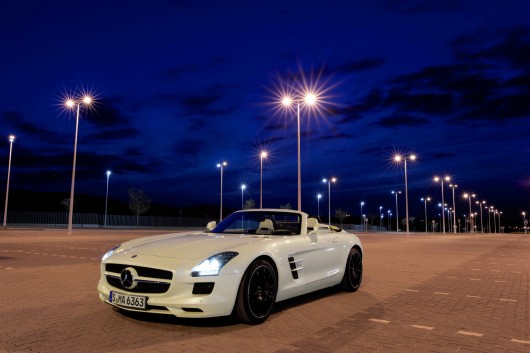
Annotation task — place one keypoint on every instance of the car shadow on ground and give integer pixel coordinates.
(226, 320)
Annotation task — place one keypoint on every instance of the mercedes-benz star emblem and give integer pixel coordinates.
(127, 278)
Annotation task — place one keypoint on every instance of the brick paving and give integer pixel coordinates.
(421, 293)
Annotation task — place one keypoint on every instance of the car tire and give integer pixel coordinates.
(257, 293)
(353, 272)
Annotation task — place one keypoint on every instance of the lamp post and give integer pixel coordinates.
(397, 211)
(263, 155)
(319, 196)
(398, 158)
(221, 166)
(11, 140)
(489, 219)
(307, 98)
(362, 217)
(481, 222)
(471, 225)
(389, 219)
(494, 220)
(500, 212)
(525, 223)
(329, 181)
(380, 217)
(453, 186)
(243, 187)
(75, 103)
(441, 180)
(425, 199)
(107, 196)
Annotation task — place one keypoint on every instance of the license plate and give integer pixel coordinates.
(129, 301)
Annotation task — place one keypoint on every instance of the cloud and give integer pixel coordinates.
(189, 148)
(402, 120)
(362, 65)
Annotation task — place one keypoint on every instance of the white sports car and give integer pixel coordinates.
(248, 262)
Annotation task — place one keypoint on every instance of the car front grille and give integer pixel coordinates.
(151, 280)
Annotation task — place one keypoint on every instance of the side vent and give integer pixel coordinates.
(292, 264)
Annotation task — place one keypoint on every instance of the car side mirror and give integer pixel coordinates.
(211, 225)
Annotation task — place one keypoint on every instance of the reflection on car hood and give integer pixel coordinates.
(189, 246)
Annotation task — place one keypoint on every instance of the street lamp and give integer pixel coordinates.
(525, 223)
(11, 140)
(441, 180)
(389, 220)
(494, 211)
(468, 197)
(397, 211)
(481, 223)
(319, 196)
(243, 187)
(500, 228)
(398, 158)
(425, 199)
(362, 217)
(221, 166)
(453, 186)
(307, 98)
(380, 217)
(75, 103)
(263, 155)
(107, 196)
(329, 181)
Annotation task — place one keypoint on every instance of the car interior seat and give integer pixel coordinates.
(312, 224)
(265, 227)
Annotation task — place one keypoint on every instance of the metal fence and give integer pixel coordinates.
(60, 219)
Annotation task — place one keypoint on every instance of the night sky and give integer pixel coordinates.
(180, 86)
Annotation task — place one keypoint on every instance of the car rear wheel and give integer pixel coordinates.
(353, 273)
(257, 293)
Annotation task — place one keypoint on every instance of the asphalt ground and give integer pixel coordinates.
(420, 293)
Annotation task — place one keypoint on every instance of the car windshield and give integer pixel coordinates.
(260, 222)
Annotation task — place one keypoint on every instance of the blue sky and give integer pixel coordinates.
(183, 85)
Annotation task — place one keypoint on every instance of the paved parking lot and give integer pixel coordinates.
(420, 294)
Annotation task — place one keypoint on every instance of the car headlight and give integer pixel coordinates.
(212, 265)
(110, 252)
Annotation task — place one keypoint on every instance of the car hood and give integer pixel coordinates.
(189, 246)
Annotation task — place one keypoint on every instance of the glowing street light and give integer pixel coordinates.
(319, 196)
(307, 98)
(11, 140)
(221, 166)
(389, 219)
(398, 158)
(425, 199)
(441, 180)
(243, 187)
(329, 181)
(75, 103)
(362, 216)
(481, 223)
(380, 217)
(525, 223)
(107, 195)
(453, 186)
(471, 225)
(397, 210)
(263, 155)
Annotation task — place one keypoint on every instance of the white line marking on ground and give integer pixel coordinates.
(451, 277)
(510, 264)
(526, 265)
(519, 341)
(423, 327)
(441, 293)
(473, 296)
(412, 290)
(476, 269)
(508, 300)
(379, 321)
(9, 268)
(468, 333)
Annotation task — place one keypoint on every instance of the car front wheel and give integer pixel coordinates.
(257, 293)
(353, 273)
